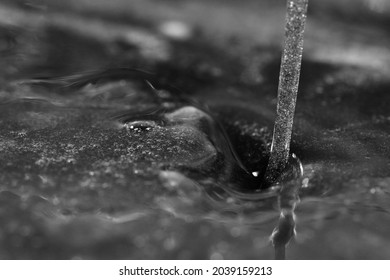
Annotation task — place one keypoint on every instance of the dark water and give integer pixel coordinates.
(102, 161)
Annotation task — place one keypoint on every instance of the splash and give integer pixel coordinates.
(202, 177)
(168, 112)
(288, 88)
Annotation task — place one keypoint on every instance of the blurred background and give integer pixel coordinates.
(74, 185)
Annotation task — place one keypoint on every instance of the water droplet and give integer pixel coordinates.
(139, 126)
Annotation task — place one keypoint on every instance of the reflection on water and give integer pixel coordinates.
(287, 200)
(119, 163)
(201, 175)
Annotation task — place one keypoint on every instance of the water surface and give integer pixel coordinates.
(159, 163)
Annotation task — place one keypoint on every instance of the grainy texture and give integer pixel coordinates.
(76, 184)
(290, 70)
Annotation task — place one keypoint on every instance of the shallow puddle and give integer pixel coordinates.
(99, 160)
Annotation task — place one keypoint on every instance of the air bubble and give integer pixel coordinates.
(139, 126)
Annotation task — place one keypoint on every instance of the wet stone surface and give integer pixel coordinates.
(161, 163)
